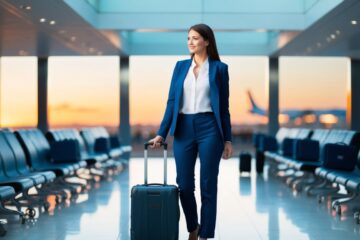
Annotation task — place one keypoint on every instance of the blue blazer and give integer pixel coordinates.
(219, 97)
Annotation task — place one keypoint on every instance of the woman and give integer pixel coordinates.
(197, 115)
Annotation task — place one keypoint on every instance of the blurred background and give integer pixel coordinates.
(84, 91)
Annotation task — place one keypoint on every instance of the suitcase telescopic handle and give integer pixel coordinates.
(146, 145)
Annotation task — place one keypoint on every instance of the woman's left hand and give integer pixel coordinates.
(227, 150)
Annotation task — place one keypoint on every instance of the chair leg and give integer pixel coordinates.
(308, 179)
(320, 183)
(17, 212)
(338, 204)
(357, 217)
(6, 211)
(293, 178)
(333, 193)
(324, 189)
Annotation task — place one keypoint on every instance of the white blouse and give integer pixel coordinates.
(196, 92)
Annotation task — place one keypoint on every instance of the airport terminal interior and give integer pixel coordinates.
(84, 84)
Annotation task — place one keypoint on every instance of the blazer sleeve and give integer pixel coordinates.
(224, 104)
(168, 115)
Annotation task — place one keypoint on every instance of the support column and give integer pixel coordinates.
(273, 113)
(0, 94)
(124, 129)
(42, 94)
(354, 96)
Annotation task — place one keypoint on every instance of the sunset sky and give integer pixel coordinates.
(85, 90)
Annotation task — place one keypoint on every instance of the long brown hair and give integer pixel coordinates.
(207, 33)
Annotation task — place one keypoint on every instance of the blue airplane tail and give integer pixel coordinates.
(254, 107)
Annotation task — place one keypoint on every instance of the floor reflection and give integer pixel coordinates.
(249, 207)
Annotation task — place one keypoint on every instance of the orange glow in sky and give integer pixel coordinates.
(85, 90)
(18, 91)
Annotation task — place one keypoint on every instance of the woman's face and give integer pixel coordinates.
(196, 42)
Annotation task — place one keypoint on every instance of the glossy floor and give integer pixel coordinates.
(249, 207)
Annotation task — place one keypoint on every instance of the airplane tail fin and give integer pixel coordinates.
(254, 107)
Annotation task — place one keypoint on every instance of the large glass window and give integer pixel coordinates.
(313, 91)
(247, 94)
(84, 91)
(18, 92)
(149, 78)
(247, 81)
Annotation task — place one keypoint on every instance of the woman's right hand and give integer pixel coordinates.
(156, 141)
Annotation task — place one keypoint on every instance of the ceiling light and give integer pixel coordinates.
(26, 7)
(353, 22)
(42, 20)
(52, 22)
(328, 39)
(73, 38)
(318, 44)
(62, 31)
(333, 36)
(337, 32)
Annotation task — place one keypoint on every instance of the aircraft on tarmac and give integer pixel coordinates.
(335, 114)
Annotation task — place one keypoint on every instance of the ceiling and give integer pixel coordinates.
(23, 33)
(155, 27)
(336, 34)
(241, 27)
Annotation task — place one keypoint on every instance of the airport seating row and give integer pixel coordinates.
(322, 162)
(62, 162)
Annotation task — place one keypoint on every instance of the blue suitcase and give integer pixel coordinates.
(155, 209)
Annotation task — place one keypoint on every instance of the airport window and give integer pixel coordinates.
(312, 92)
(84, 91)
(18, 92)
(247, 83)
(149, 79)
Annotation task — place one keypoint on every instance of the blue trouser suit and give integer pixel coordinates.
(198, 133)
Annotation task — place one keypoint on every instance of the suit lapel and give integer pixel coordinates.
(214, 93)
(212, 71)
(181, 80)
